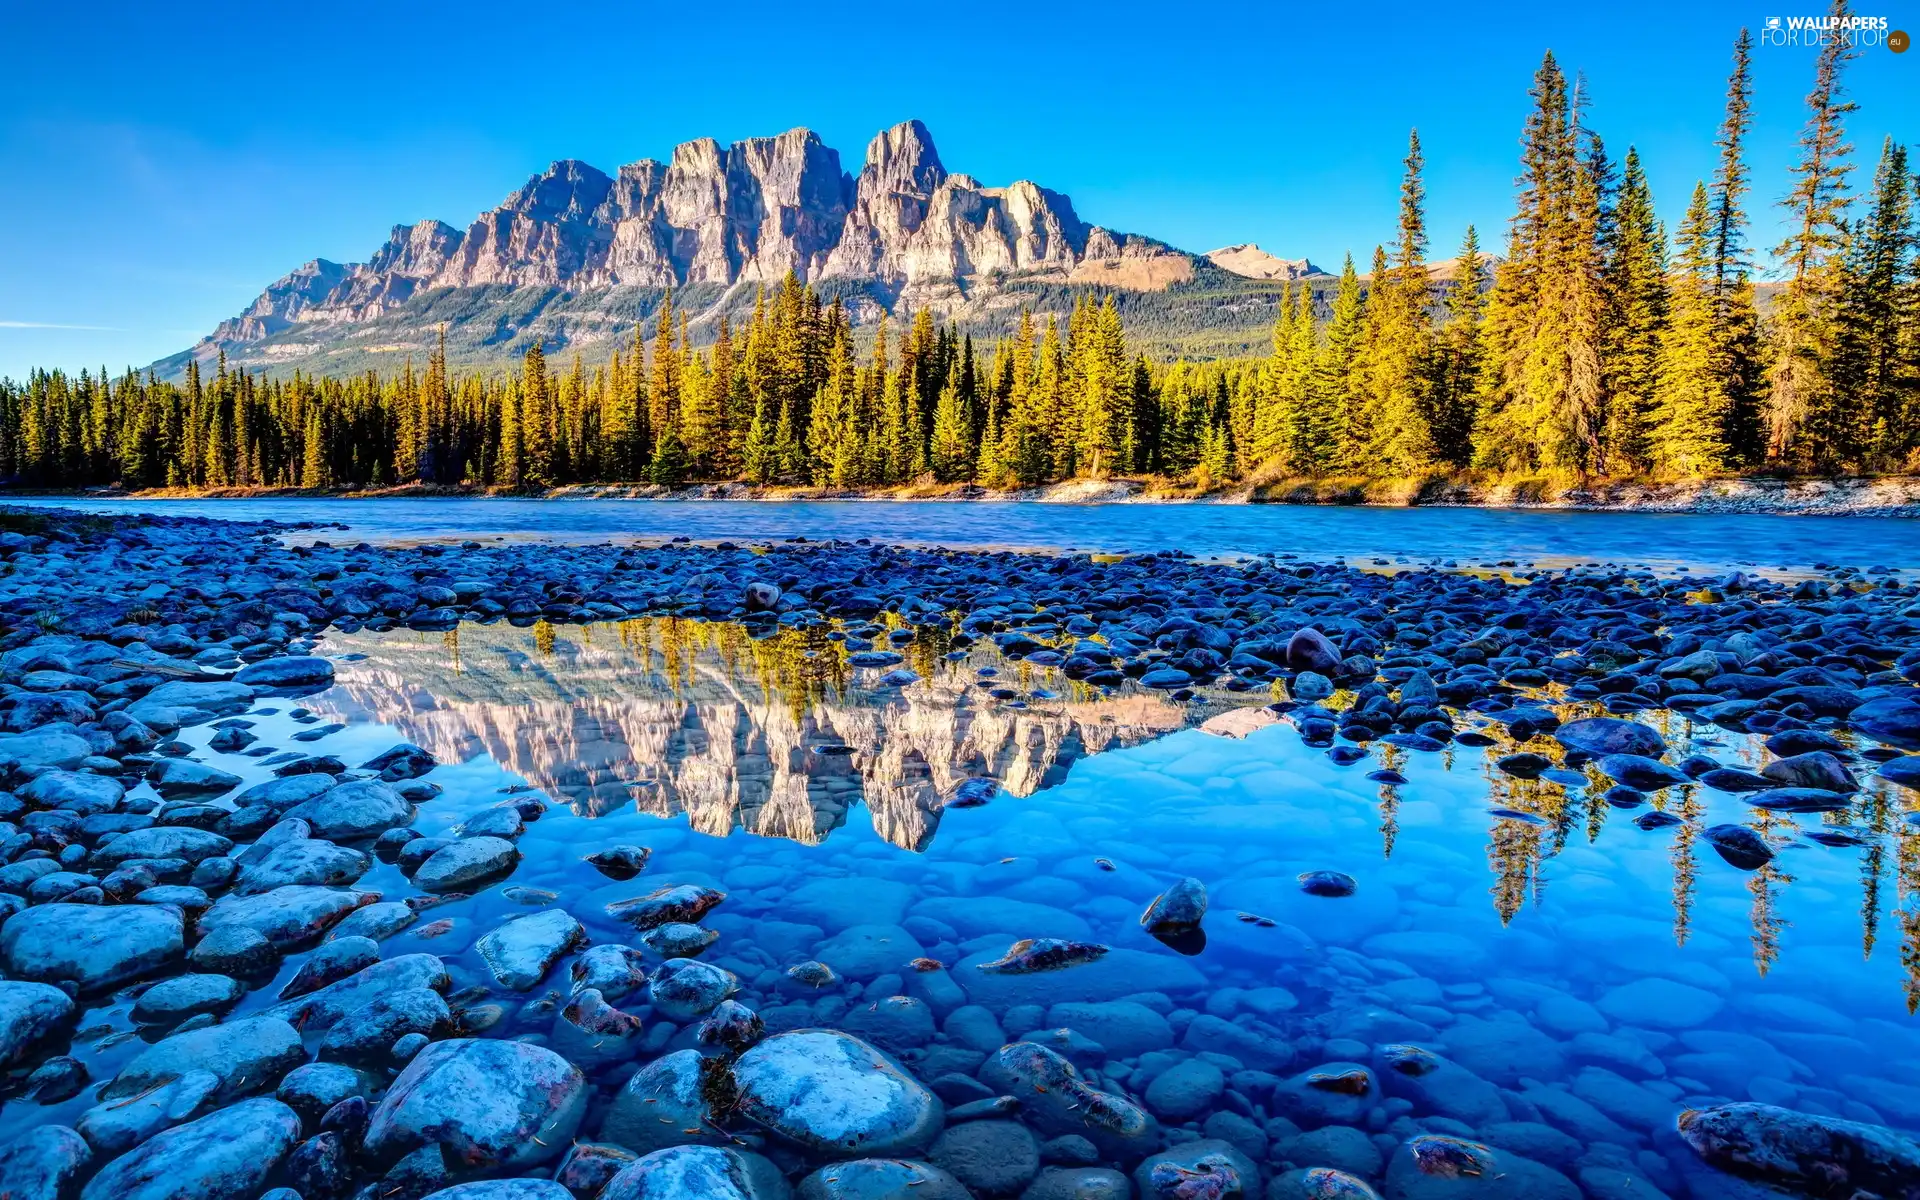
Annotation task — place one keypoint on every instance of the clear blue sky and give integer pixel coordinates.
(161, 165)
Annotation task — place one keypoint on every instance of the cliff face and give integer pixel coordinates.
(743, 214)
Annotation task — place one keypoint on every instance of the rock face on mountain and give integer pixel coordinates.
(746, 213)
(1254, 263)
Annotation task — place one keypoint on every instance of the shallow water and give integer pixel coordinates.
(1666, 541)
(1606, 976)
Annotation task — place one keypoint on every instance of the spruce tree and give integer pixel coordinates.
(536, 419)
(1335, 400)
(1736, 319)
(1685, 435)
(1458, 361)
(1636, 291)
(952, 451)
(1873, 366)
(1804, 408)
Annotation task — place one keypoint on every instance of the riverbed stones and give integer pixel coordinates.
(290, 673)
(1599, 737)
(833, 1094)
(30, 1013)
(353, 811)
(320, 1009)
(488, 1105)
(665, 1103)
(245, 1055)
(44, 1163)
(683, 989)
(698, 1173)
(91, 946)
(225, 1155)
(289, 916)
(465, 863)
(1802, 1151)
(880, 1179)
(520, 952)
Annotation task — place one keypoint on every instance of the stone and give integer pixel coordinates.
(354, 811)
(75, 790)
(95, 947)
(1601, 736)
(833, 1094)
(301, 861)
(1125, 1028)
(226, 1155)
(30, 1013)
(697, 1173)
(1657, 1003)
(44, 1163)
(683, 989)
(465, 863)
(664, 1103)
(312, 1089)
(488, 1105)
(367, 1034)
(183, 996)
(520, 952)
(320, 1009)
(289, 916)
(1185, 1090)
(245, 1055)
(881, 1179)
(990, 1158)
(294, 672)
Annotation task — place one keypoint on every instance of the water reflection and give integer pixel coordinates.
(778, 736)
(783, 737)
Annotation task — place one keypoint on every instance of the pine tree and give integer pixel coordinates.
(1459, 360)
(1804, 409)
(952, 451)
(1736, 320)
(1873, 366)
(1395, 361)
(1686, 436)
(536, 419)
(1332, 432)
(1636, 292)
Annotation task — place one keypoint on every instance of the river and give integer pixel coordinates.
(1664, 541)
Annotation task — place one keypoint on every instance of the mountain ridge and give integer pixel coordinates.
(575, 256)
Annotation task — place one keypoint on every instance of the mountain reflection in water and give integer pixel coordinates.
(780, 737)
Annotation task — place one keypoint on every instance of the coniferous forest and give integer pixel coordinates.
(1599, 342)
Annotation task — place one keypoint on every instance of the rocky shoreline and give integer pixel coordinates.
(1880, 496)
(649, 1040)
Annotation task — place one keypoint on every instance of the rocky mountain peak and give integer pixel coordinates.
(741, 214)
(1249, 260)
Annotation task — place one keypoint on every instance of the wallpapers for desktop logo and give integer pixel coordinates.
(1858, 32)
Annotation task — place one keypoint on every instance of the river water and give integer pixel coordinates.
(1467, 535)
(1584, 978)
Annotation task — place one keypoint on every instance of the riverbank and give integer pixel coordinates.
(1875, 496)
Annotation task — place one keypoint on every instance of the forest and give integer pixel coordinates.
(1597, 343)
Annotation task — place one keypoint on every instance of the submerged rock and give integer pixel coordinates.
(29, 1014)
(698, 1173)
(1803, 1152)
(520, 952)
(834, 1094)
(492, 1105)
(1030, 955)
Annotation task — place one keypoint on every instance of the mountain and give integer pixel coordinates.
(1251, 261)
(576, 256)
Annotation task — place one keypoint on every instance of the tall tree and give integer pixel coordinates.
(1804, 408)
(1736, 316)
(1874, 365)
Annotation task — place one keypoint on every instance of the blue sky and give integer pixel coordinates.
(161, 168)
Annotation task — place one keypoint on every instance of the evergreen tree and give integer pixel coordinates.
(1636, 292)
(952, 451)
(1736, 320)
(1459, 360)
(1874, 366)
(1687, 425)
(1804, 408)
(536, 420)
